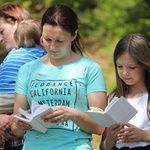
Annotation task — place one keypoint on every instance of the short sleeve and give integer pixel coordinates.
(96, 81)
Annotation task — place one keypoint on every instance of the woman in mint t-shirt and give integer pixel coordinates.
(66, 81)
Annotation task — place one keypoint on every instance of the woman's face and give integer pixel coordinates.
(130, 70)
(56, 41)
(7, 34)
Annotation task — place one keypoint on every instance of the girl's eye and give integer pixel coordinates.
(119, 67)
(132, 67)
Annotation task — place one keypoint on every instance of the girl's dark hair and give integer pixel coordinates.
(64, 17)
(139, 48)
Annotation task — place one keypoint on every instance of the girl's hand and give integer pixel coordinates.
(113, 132)
(131, 134)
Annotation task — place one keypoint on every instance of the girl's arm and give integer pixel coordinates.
(110, 137)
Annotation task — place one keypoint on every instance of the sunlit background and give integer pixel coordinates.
(102, 24)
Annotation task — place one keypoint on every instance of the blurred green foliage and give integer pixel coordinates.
(101, 20)
(102, 24)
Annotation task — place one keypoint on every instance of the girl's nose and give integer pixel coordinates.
(125, 72)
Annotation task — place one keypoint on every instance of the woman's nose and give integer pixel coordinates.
(52, 45)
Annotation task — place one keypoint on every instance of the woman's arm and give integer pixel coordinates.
(18, 127)
(63, 113)
(96, 99)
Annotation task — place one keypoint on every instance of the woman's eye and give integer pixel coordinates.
(59, 41)
(48, 39)
(1, 32)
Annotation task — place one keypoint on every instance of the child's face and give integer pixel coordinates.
(130, 71)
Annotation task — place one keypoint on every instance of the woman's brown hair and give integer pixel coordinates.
(64, 17)
(13, 12)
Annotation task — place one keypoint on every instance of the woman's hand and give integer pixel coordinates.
(6, 136)
(59, 114)
(21, 125)
(5, 122)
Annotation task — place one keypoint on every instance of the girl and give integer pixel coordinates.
(132, 66)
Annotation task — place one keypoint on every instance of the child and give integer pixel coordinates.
(27, 37)
(132, 66)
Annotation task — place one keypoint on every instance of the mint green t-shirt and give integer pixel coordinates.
(66, 85)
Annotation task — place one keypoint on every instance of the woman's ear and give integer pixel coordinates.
(41, 41)
(75, 35)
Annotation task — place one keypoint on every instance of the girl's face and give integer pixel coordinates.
(7, 34)
(57, 42)
(130, 71)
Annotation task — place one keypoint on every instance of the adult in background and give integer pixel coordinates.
(10, 16)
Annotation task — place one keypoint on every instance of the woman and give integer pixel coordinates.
(64, 80)
(10, 16)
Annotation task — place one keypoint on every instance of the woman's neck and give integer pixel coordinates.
(60, 61)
